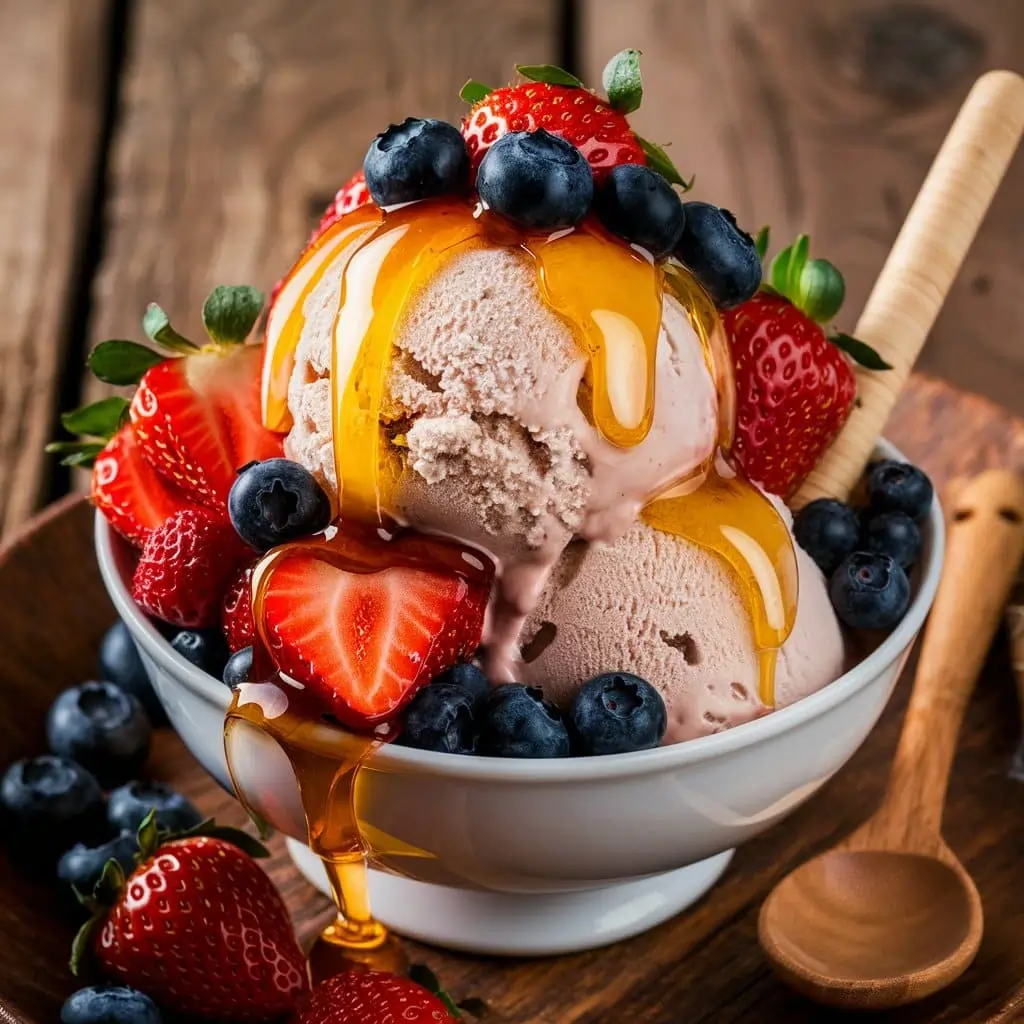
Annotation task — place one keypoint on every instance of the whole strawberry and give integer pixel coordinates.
(198, 926)
(236, 610)
(371, 997)
(795, 385)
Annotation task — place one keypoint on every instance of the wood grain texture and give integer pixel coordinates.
(703, 967)
(824, 118)
(52, 53)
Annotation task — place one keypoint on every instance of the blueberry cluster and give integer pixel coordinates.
(866, 553)
(461, 713)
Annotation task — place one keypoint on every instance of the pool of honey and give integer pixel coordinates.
(610, 295)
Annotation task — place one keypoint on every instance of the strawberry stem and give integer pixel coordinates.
(230, 313)
(549, 74)
(814, 286)
(474, 91)
(157, 326)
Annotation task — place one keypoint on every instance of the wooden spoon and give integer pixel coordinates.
(890, 915)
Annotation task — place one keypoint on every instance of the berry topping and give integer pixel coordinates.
(720, 254)
(616, 713)
(186, 567)
(518, 722)
(349, 197)
(109, 1004)
(828, 531)
(82, 865)
(238, 670)
(894, 534)
(276, 501)
(869, 591)
(536, 179)
(441, 717)
(236, 611)
(128, 805)
(46, 804)
(417, 159)
(899, 487)
(101, 727)
(469, 677)
(205, 648)
(119, 662)
(371, 997)
(639, 205)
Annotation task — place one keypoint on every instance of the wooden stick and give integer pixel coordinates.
(921, 268)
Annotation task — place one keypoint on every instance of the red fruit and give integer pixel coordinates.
(371, 997)
(601, 133)
(794, 391)
(132, 496)
(198, 420)
(186, 566)
(201, 929)
(349, 197)
(236, 612)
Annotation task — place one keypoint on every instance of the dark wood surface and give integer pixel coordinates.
(702, 967)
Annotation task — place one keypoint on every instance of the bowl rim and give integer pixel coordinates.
(398, 759)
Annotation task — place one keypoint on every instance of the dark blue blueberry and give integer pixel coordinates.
(518, 722)
(894, 534)
(616, 713)
(47, 804)
(536, 180)
(129, 804)
(828, 531)
(101, 727)
(721, 255)
(441, 717)
(120, 664)
(109, 1004)
(417, 159)
(82, 865)
(638, 204)
(238, 670)
(899, 487)
(469, 677)
(277, 501)
(869, 591)
(205, 648)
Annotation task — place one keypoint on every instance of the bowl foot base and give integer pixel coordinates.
(514, 924)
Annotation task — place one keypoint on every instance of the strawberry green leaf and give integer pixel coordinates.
(231, 311)
(100, 419)
(622, 82)
(148, 837)
(474, 91)
(235, 836)
(80, 946)
(76, 453)
(158, 329)
(797, 262)
(859, 351)
(122, 362)
(820, 290)
(761, 243)
(658, 160)
(548, 74)
(422, 975)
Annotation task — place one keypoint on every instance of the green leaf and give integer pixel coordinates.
(820, 290)
(859, 351)
(622, 82)
(158, 329)
(474, 91)
(100, 419)
(549, 74)
(797, 262)
(148, 837)
(74, 447)
(778, 270)
(422, 975)
(122, 362)
(83, 459)
(761, 243)
(109, 885)
(235, 836)
(80, 946)
(231, 311)
(658, 160)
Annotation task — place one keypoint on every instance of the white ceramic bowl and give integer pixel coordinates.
(538, 857)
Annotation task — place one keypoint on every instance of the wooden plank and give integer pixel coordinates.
(824, 117)
(53, 55)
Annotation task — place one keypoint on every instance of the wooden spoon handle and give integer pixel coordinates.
(984, 548)
(921, 268)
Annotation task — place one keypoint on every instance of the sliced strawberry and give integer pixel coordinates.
(236, 611)
(132, 496)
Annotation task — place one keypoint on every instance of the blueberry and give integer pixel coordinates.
(129, 804)
(47, 804)
(518, 722)
(617, 712)
(899, 487)
(417, 159)
(869, 591)
(277, 501)
(894, 534)
(101, 727)
(109, 1004)
(205, 648)
(82, 865)
(639, 205)
(120, 664)
(720, 254)
(536, 180)
(469, 677)
(828, 531)
(238, 670)
(441, 717)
